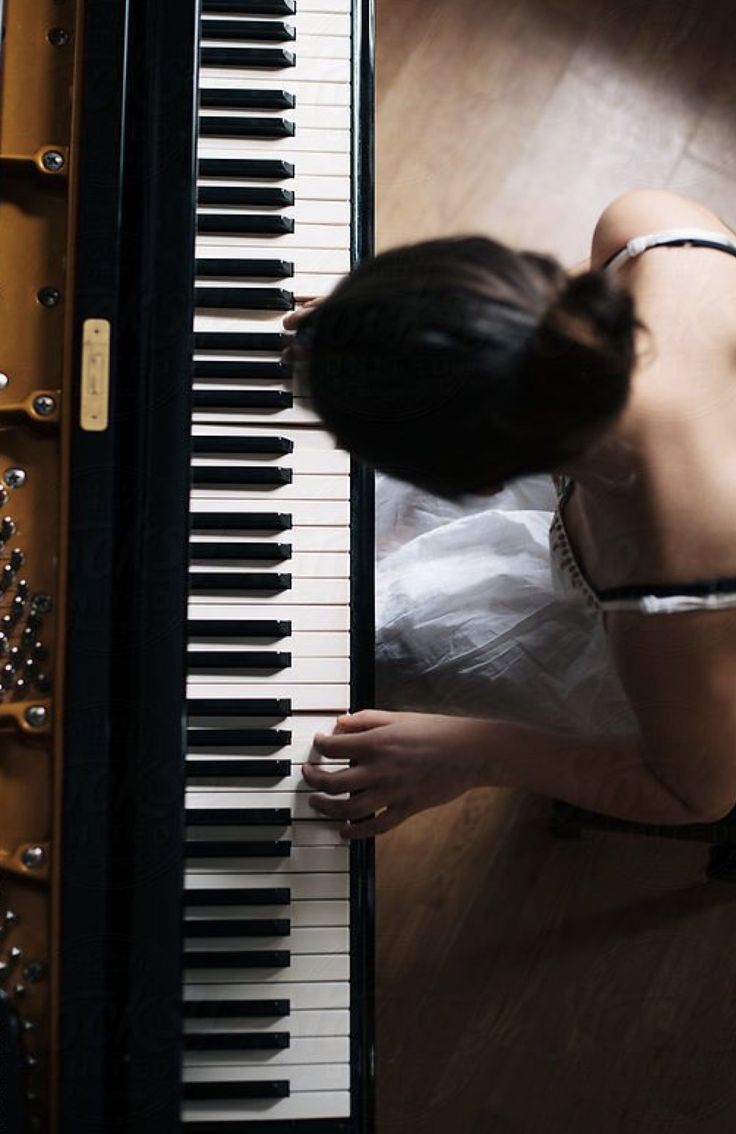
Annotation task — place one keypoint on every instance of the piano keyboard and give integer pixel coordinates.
(271, 1008)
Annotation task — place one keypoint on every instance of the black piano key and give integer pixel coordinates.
(240, 661)
(245, 224)
(250, 7)
(236, 1089)
(238, 817)
(240, 896)
(244, 195)
(265, 58)
(242, 399)
(239, 769)
(238, 738)
(244, 707)
(241, 581)
(236, 1041)
(242, 126)
(273, 169)
(238, 628)
(219, 370)
(234, 1009)
(244, 298)
(259, 31)
(225, 848)
(245, 474)
(275, 552)
(237, 659)
(219, 444)
(237, 927)
(240, 521)
(213, 98)
(236, 959)
(244, 269)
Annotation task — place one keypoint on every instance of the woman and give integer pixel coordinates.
(458, 365)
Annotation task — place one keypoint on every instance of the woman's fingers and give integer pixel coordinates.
(360, 806)
(384, 821)
(294, 318)
(364, 720)
(343, 745)
(335, 783)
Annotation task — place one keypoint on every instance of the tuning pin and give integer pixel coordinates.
(18, 605)
(15, 655)
(17, 558)
(33, 621)
(7, 673)
(7, 622)
(20, 684)
(43, 683)
(7, 574)
(40, 653)
(7, 527)
(3, 495)
(4, 643)
(21, 588)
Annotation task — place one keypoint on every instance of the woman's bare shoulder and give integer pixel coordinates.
(642, 211)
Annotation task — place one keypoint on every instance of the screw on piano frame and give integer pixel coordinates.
(59, 37)
(34, 972)
(49, 296)
(44, 405)
(53, 161)
(14, 478)
(3, 380)
(36, 716)
(34, 857)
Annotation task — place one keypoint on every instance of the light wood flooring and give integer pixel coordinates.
(529, 985)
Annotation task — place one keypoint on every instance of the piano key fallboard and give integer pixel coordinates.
(277, 907)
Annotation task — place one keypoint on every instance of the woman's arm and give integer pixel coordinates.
(403, 763)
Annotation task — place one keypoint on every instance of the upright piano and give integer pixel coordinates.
(185, 569)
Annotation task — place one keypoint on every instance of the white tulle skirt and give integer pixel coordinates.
(468, 621)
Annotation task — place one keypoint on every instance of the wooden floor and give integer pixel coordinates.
(529, 985)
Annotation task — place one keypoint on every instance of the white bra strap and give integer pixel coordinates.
(639, 244)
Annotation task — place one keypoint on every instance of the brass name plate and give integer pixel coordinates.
(95, 375)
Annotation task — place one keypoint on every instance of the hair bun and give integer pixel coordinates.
(593, 309)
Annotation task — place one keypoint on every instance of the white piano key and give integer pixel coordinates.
(310, 966)
(302, 996)
(314, 649)
(303, 487)
(325, 6)
(301, 413)
(281, 797)
(322, 592)
(303, 513)
(307, 565)
(307, 92)
(301, 942)
(303, 117)
(301, 212)
(304, 833)
(306, 236)
(304, 887)
(323, 1077)
(299, 1105)
(305, 69)
(303, 439)
(306, 163)
(300, 913)
(303, 671)
(303, 141)
(313, 48)
(303, 697)
(256, 787)
(318, 260)
(300, 1025)
(327, 1049)
(313, 539)
(301, 618)
(302, 860)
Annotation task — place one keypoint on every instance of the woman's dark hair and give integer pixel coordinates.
(458, 364)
